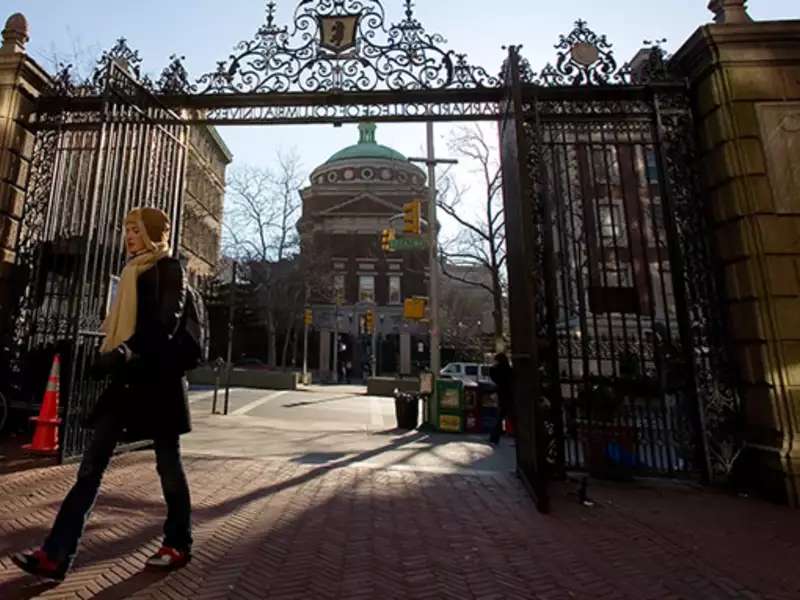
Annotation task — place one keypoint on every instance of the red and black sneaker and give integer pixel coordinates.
(168, 559)
(39, 564)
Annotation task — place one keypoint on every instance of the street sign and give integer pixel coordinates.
(407, 244)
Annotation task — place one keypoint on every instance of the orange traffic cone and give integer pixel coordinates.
(45, 438)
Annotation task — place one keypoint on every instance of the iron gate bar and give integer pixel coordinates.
(702, 455)
(551, 394)
(520, 223)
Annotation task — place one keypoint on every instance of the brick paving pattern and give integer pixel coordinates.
(279, 529)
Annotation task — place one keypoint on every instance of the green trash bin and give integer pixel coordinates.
(449, 405)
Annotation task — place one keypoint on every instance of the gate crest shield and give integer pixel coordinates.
(338, 33)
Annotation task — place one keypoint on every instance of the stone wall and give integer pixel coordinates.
(746, 89)
(21, 83)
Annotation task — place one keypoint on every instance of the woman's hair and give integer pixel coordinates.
(501, 359)
(154, 221)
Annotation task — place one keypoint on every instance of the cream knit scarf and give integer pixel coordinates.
(120, 324)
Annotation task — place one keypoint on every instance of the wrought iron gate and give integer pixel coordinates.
(524, 296)
(625, 368)
(617, 339)
(90, 167)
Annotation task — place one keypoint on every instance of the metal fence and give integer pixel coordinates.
(89, 169)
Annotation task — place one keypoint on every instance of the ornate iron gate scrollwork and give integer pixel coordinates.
(89, 168)
(632, 369)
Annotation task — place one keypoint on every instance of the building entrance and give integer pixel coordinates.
(616, 338)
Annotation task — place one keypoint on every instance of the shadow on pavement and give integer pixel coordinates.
(108, 550)
(131, 586)
(31, 587)
(313, 402)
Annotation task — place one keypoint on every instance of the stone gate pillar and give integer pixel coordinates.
(745, 81)
(21, 83)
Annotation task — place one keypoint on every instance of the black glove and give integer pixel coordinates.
(107, 363)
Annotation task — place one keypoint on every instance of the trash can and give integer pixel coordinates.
(450, 405)
(488, 406)
(472, 407)
(406, 409)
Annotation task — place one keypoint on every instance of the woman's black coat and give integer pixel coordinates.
(149, 392)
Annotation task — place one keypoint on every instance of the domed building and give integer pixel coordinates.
(353, 197)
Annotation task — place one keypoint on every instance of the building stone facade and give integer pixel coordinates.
(203, 201)
(745, 80)
(351, 199)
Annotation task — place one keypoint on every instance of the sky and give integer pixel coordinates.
(205, 31)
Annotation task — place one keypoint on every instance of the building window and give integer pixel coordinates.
(651, 166)
(606, 165)
(612, 225)
(618, 273)
(366, 288)
(395, 294)
(338, 287)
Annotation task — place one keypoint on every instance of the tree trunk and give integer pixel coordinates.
(294, 348)
(271, 342)
(497, 314)
(285, 351)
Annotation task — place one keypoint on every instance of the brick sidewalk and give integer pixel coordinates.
(279, 529)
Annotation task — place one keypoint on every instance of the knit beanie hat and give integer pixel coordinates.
(153, 221)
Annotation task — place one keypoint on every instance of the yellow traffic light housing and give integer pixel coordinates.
(411, 217)
(369, 321)
(414, 308)
(308, 317)
(387, 237)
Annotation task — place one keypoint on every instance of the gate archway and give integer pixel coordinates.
(616, 337)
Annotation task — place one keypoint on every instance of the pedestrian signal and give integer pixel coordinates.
(411, 217)
(387, 237)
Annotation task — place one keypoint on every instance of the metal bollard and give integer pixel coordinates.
(217, 376)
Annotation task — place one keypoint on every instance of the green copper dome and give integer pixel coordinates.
(367, 147)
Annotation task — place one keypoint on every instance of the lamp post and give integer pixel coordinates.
(336, 340)
(231, 309)
(380, 344)
(433, 241)
(305, 349)
(374, 357)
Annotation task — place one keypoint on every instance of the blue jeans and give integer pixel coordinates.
(62, 543)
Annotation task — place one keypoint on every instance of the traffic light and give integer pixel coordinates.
(308, 317)
(369, 321)
(387, 236)
(411, 217)
(414, 308)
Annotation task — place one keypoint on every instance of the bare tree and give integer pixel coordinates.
(481, 240)
(461, 316)
(79, 56)
(262, 210)
(260, 231)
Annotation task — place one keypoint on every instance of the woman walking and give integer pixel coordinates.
(146, 399)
